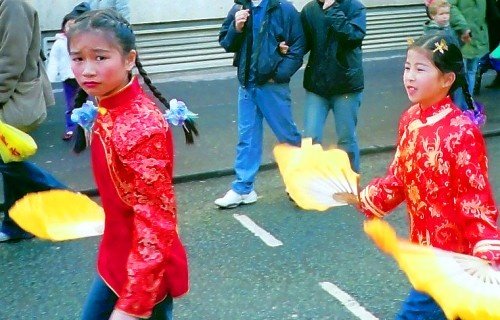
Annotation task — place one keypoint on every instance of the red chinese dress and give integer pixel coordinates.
(440, 169)
(141, 257)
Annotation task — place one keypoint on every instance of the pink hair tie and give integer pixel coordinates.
(428, 2)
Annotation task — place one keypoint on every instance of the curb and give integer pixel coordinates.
(375, 149)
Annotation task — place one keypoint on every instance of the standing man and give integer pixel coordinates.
(333, 79)
(121, 6)
(23, 102)
(253, 30)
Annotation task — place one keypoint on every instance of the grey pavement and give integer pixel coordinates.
(235, 275)
(213, 96)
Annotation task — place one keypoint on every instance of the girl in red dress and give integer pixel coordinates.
(141, 263)
(440, 167)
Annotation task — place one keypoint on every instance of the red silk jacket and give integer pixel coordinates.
(440, 169)
(141, 257)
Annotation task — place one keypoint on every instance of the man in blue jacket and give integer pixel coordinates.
(333, 78)
(253, 30)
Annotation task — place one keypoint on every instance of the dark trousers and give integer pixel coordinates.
(21, 178)
(420, 306)
(101, 302)
(70, 87)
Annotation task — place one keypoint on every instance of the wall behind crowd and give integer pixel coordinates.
(158, 11)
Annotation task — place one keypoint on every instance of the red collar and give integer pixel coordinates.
(123, 96)
(435, 108)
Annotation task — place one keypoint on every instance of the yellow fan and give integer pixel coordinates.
(312, 175)
(58, 215)
(15, 145)
(465, 287)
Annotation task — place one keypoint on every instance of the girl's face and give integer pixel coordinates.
(99, 65)
(424, 82)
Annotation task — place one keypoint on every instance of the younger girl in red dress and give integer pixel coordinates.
(440, 167)
(141, 262)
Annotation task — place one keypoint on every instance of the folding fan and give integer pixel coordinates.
(313, 175)
(466, 287)
(58, 215)
(15, 145)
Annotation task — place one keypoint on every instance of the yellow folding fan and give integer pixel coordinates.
(58, 215)
(313, 175)
(15, 145)
(465, 287)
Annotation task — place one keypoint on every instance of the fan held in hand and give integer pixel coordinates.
(313, 175)
(58, 215)
(465, 287)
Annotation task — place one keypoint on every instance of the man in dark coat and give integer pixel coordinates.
(253, 30)
(333, 78)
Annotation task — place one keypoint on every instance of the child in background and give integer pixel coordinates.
(439, 19)
(141, 262)
(59, 69)
(440, 168)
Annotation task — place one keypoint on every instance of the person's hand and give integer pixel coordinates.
(466, 36)
(120, 315)
(492, 256)
(283, 47)
(346, 197)
(328, 3)
(240, 18)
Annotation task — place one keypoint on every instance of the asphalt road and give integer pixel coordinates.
(234, 274)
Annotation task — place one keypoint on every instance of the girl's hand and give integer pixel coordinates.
(346, 197)
(492, 256)
(328, 3)
(283, 47)
(240, 18)
(120, 315)
(466, 36)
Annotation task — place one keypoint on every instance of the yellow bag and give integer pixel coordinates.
(15, 145)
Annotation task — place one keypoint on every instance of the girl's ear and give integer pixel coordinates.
(130, 60)
(448, 79)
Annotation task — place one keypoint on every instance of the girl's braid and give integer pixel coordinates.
(188, 126)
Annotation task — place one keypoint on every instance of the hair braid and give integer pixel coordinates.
(189, 127)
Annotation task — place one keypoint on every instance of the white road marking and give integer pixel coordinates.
(347, 301)
(265, 236)
(57, 90)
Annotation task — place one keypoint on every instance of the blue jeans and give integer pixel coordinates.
(420, 306)
(19, 179)
(470, 66)
(101, 302)
(345, 109)
(272, 102)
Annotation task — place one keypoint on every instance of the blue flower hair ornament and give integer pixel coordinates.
(85, 116)
(477, 115)
(180, 115)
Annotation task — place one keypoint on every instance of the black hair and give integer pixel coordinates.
(68, 17)
(447, 57)
(110, 21)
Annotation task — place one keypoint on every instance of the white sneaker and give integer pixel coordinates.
(232, 199)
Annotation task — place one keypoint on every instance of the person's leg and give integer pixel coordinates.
(19, 179)
(100, 301)
(315, 113)
(420, 306)
(70, 88)
(249, 148)
(164, 310)
(345, 113)
(274, 101)
(471, 66)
